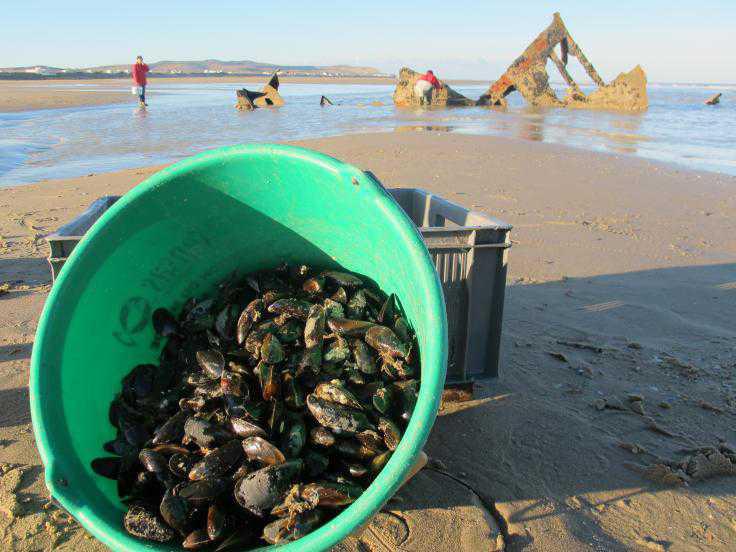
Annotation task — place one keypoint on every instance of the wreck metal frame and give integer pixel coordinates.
(528, 73)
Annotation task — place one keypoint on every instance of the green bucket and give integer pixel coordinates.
(177, 235)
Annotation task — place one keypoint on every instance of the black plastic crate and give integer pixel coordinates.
(470, 253)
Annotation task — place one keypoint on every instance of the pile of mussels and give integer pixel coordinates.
(274, 405)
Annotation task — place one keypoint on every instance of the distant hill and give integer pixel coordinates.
(204, 67)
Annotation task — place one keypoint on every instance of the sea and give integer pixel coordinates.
(186, 118)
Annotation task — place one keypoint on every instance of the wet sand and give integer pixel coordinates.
(622, 285)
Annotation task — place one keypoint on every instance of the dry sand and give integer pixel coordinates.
(622, 282)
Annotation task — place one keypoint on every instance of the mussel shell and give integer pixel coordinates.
(289, 332)
(203, 491)
(275, 417)
(380, 461)
(269, 380)
(386, 314)
(175, 511)
(382, 400)
(181, 464)
(294, 396)
(140, 382)
(212, 362)
(172, 430)
(357, 304)
(208, 390)
(338, 351)
(352, 448)
(390, 431)
(204, 433)
(218, 462)
(384, 340)
(107, 467)
(333, 309)
(143, 523)
(321, 436)
(199, 309)
(343, 278)
(119, 446)
(337, 418)
(139, 485)
(272, 352)
(244, 428)
(314, 328)
(315, 463)
(314, 285)
(196, 539)
(196, 404)
(288, 530)
(293, 307)
(363, 357)
(167, 449)
(136, 435)
(164, 323)
(224, 321)
(295, 437)
(257, 449)
(335, 392)
(153, 461)
(232, 384)
(238, 540)
(216, 522)
(408, 390)
(356, 470)
(328, 494)
(347, 327)
(242, 471)
(261, 490)
(250, 315)
(401, 328)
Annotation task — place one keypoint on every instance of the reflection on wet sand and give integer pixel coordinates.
(532, 126)
(424, 128)
(610, 130)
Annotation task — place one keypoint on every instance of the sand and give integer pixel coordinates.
(622, 289)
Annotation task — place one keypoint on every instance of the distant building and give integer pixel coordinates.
(40, 70)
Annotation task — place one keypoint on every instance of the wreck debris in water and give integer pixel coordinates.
(268, 97)
(528, 75)
(404, 95)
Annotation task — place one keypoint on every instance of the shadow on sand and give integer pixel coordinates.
(532, 442)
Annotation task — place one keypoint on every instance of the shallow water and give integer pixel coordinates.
(184, 119)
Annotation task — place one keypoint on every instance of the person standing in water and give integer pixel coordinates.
(138, 72)
(423, 87)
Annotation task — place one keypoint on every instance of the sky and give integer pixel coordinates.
(674, 41)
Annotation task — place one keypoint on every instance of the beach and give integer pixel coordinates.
(617, 352)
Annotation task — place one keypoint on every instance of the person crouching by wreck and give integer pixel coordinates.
(423, 87)
(138, 72)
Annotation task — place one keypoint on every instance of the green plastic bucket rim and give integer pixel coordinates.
(434, 352)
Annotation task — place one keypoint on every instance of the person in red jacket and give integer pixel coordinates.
(138, 72)
(424, 85)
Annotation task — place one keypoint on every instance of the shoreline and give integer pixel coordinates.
(621, 284)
